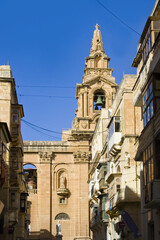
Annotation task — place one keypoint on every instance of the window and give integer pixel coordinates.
(150, 36)
(148, 171)
(115, 126)
(15, 118)
(62, 216)
(118, 188)
(147, 44)
(148, 104)
(62, 200)
(151, 98)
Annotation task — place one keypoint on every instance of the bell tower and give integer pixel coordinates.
(98, 87)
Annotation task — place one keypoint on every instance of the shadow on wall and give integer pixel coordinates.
(43, 235)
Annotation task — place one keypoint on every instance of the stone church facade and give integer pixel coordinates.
(58, 181)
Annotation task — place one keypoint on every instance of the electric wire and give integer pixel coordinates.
(45, 96)
(48, 130)
(45, 129)
(38, 86)
(118, 18)
(42, 132)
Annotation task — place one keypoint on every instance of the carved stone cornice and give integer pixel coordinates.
(98, 71)
(81, 156)
(45, 156)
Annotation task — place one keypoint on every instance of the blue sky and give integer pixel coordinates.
(46, 42)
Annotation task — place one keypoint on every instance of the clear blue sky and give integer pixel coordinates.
(46, 42)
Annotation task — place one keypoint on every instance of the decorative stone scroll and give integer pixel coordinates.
(81, 156)
(45, 156)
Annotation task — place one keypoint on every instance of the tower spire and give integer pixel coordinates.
(97, 44)
(97, 63)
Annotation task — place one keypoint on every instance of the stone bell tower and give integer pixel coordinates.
(98, 87)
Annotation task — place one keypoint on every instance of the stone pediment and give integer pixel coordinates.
(96, 80)
(109, 80)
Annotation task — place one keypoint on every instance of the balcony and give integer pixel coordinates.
(111, 208)
(114, 136)
(102, 173)
(113, 144)
(152, 195)
(113, 177)
(126, 196)
(104, 217)
(16, 115)
(121, 198)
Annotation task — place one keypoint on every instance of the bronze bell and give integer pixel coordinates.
(99, 101)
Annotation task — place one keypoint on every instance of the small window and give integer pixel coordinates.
(62, 200)
(117, 124)
(15, 118)
(118, 188)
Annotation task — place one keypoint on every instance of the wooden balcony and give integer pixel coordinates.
(152, 195)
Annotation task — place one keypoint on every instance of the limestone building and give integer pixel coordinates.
(123, 173)
(114, 177)
(58, 178)
(13, 190)
(147, 98)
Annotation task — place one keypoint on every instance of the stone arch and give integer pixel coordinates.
(96, 117)
(99, 96)
(97, 62)
(29, 164)
(30, 173)
(62, 216)
(93, 89)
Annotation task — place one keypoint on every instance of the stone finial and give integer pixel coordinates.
(97, 44)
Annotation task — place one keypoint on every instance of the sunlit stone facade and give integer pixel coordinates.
(60, 191)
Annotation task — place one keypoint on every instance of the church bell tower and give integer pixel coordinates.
(97, 89)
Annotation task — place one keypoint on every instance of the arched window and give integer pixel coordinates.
(30, 173)
(97, 62)
(99, 100)
(62, 216)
